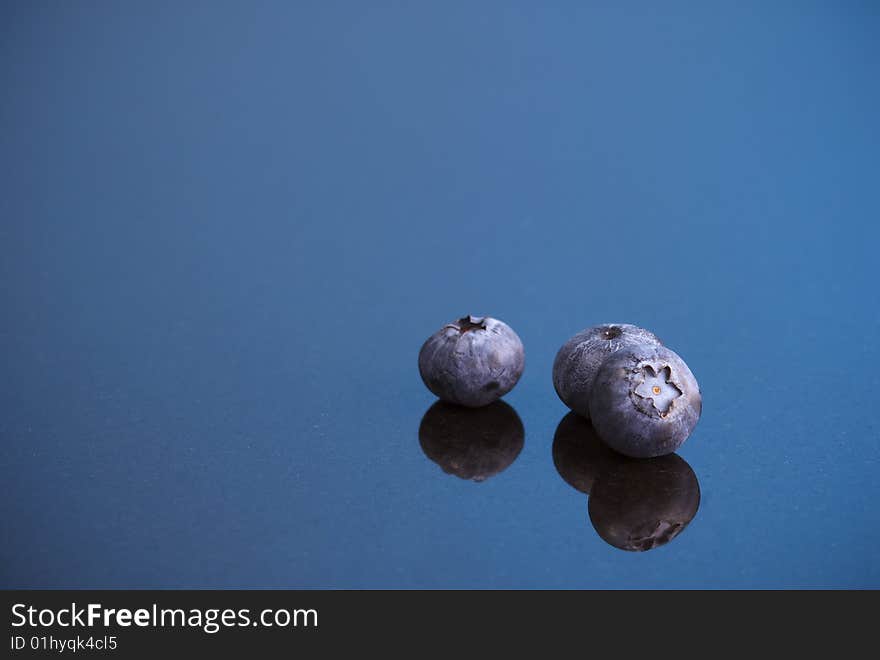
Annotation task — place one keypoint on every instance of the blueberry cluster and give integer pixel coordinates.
(640, 396)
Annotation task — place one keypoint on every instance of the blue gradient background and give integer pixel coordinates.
(226, 229)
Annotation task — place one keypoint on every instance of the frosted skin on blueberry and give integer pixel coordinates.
(472, 361)
(579, 360)
(641, 505)
(645, 402)
(472, 443)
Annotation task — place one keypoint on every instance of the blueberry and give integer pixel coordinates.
(643, 504)
(579, 359)
(645, 401)
(471, 443)
(472, 361)
(578, 453)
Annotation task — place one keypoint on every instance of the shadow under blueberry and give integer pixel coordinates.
(472, 443)
(634, 504)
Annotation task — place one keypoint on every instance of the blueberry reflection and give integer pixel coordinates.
(634, 504)
(472, 443)
(641, 505)
(578, 454)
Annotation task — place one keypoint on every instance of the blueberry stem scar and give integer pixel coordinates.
(468, 323)
(657, 385)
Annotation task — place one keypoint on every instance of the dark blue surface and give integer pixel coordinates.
(228, 227)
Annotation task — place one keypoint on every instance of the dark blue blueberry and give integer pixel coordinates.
(643, 504)
(645, 401)
(471, 443)
(472, 361)
(579, 359)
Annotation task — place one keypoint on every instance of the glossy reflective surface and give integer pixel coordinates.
(227, 230)
(471, 443)
(634, 505)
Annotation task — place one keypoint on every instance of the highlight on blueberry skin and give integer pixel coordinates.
(472, 443)
(472, 361)
(645, 401)
(579, 359)
(641, 505)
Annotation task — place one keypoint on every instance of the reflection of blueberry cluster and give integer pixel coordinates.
(634, 504)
